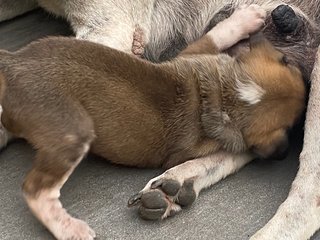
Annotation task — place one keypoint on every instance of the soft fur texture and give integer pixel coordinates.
(78, 94)
(186, 21)
(114, 22)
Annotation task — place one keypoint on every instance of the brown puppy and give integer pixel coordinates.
(142, 114)
(65, 95)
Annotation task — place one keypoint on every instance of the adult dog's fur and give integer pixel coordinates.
(167, 28)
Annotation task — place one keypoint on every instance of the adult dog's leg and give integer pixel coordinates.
(299, 216)
(12, 8)
(180, 186)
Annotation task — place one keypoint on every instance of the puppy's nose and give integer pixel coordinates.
(281, 152)
(285, 19)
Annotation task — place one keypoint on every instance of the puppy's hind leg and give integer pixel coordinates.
(61, 144)
(180, 186)
(42, 189)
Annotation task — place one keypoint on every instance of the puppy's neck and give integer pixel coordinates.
(220, 116)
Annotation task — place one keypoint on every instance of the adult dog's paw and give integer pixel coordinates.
(163, 197)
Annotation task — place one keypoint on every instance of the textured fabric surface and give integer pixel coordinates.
(98, 192)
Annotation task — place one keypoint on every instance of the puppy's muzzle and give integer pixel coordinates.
(279, 151)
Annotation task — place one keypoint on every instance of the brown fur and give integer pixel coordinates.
(61, 92)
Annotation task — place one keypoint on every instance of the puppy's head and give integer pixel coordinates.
(274, 96)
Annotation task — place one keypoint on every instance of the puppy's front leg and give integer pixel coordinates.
(243, 22)
(180, 186)
(299, 216)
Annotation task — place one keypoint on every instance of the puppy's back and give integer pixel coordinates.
(122, 95)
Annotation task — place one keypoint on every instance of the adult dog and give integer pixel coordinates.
(158, 30)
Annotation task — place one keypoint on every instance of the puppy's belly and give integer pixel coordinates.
(139, 151)
(129, 154)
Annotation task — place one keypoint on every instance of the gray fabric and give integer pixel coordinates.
(98, 191)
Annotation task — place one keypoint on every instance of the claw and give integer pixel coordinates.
(135, 199)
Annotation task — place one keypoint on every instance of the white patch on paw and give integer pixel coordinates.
(249, 92)
(204, 172)
(248, 19)
(243, 22)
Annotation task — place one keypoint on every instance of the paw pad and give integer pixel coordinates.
(169, 186)
(163, 198)
(153, 205)
(187, 195)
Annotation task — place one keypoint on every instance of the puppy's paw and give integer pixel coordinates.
(248, 19)
(76, 229)
(156, 205)
(163, 197)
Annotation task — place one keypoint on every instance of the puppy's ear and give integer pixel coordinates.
(231, 139)
(258, 44)
(227, 134)
(273, 146)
